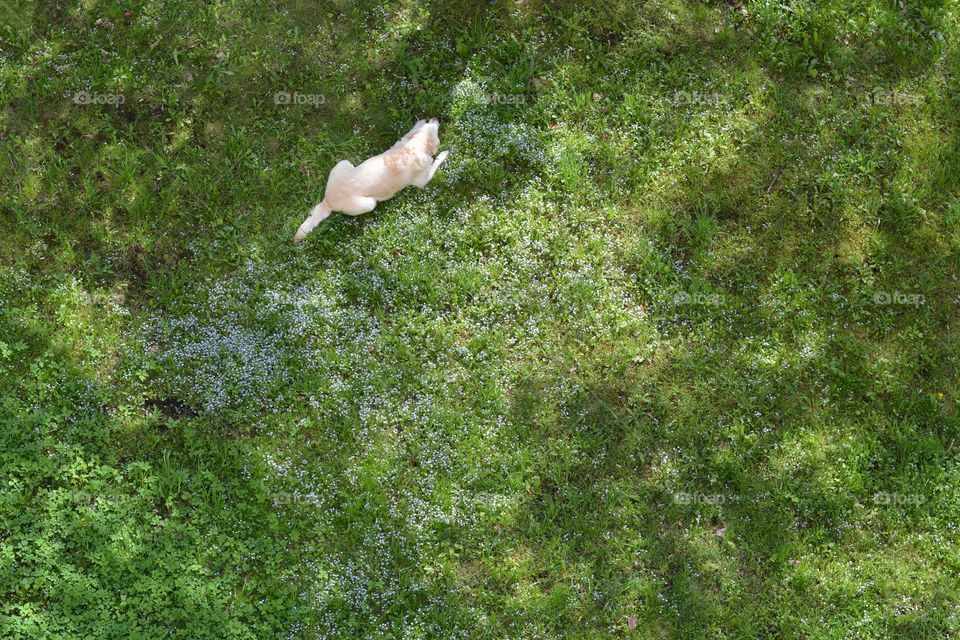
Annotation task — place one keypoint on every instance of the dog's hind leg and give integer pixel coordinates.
(357, 205)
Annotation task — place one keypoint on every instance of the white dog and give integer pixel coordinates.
(355, 190)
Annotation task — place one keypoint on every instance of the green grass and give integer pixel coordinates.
(667, 349)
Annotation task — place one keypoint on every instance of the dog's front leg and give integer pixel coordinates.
(427, 175)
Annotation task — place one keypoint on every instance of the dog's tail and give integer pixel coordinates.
(317, 215)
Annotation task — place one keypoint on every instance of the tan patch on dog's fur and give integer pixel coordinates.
(403, 159)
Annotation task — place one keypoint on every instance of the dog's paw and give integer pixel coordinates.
(443, 156)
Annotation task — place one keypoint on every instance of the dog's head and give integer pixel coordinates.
(429, 137)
